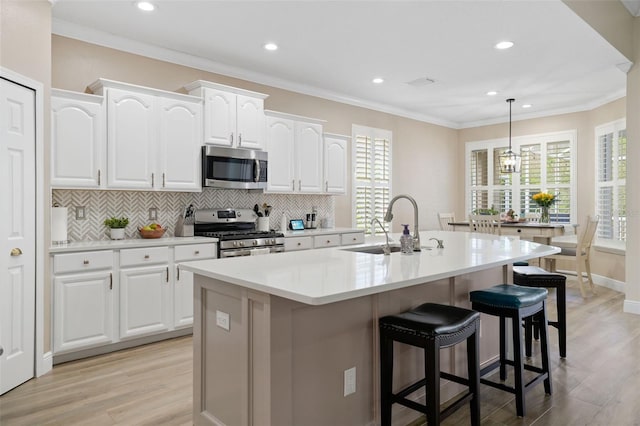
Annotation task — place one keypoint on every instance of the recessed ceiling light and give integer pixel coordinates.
(504, 45)
(492, 93)
(271, 46)
(146, 6)
(378, 80)
(526, 106)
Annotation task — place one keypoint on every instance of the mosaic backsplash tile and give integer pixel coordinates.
(136, 204)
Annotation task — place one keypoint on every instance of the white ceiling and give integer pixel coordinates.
(333, 49)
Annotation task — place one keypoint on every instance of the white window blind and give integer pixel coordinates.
(548, 165)
(611, 173)
(371, 176)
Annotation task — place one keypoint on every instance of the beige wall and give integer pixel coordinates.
(25, 48)
(416, 144)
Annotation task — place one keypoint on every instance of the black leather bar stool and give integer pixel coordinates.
(430, 326)
(533, 276)
(516, 303)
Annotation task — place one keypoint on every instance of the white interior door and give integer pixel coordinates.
(17, 234)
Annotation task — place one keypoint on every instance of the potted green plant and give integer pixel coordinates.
(116, 226)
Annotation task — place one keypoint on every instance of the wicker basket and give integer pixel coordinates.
(154, 233)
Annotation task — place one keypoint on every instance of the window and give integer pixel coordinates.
(547, 165)
(371, 175)
(611, 173)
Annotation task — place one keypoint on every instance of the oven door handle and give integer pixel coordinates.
(256, 171)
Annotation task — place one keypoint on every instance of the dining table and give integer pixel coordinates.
(532, 231)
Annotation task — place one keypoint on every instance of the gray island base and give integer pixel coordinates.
(274, 335)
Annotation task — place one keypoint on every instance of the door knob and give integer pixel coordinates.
(1, 350)
(16, 252)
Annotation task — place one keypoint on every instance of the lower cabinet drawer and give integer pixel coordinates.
(298, 243)
(352, 238)
(194, 252)
(80, 262)
(320, 241)
(144, 256)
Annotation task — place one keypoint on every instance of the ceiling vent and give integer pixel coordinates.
(422, 81)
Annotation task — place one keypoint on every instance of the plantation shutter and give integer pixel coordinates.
(611, 173)
(559, 179)
(372, 176)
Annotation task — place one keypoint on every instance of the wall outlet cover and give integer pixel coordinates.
(349, 381)
(222, 320)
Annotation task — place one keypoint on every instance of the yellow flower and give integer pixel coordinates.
(544, 199)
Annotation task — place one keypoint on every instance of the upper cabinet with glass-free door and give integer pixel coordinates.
(153, 137)
(78, 149)
(232, 117)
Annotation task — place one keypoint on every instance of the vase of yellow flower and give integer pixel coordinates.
(544, 200)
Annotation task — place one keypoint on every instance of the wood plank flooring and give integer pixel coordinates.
(597, 384)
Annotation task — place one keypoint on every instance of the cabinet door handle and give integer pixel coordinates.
(178, 273)
(197, 252)
(239, 138)
(16, 251)
(300, 185)
(167, 274)
(299, 244)
(328, 241)
(163, 180)
(146, 257)
(110, 280)
(153, 180)
(231, 138)
(85, 262)
(293, 185)
(98, 177)
(326, 186)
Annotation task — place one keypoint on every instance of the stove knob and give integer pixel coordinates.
(241, 243)
(255, 242)
(235, 243)
(272, 241)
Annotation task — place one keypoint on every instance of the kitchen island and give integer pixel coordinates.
(274, 335)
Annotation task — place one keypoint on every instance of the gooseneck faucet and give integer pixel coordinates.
(385, 249)
(389, 216)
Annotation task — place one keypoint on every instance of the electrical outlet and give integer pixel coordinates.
(153, 213)
(349, 381)
(81, 213)
(222, 320)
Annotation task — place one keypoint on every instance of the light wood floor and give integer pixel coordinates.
(597, 384)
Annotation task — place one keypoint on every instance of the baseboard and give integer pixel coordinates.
(601, 281)
(631, 307)
(45, 365)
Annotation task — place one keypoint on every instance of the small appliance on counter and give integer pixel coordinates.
(311, 219)
(184, 226)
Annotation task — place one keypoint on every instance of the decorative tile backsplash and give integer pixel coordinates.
(170, 205)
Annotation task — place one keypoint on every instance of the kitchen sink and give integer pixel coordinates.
(376, 249)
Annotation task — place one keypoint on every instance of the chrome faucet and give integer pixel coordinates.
(385, 249)
(388, 216)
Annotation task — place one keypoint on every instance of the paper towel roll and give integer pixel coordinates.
(59, 224)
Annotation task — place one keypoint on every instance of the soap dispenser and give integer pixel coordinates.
(406, 241)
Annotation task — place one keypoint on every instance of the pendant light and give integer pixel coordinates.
(509, 161)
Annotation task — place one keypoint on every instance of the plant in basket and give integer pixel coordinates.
(154, 230)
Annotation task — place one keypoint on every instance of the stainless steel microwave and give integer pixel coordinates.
(233, 168)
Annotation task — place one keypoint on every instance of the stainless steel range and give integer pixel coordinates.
(236, 232)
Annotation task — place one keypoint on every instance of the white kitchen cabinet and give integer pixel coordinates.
(232, 117)
(78, 146)
(153, 138)
(298, 243)
(180, 140)
(83, 308)
(295, 147)
(183, 283)
(335, 163)
(145, 292)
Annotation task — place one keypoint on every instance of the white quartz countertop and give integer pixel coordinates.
(328, 275)
(320, 231)
(76, 246)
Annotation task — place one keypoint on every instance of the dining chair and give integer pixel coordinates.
(532, 217)
(445, 219)
(581, 254)
(485, 223)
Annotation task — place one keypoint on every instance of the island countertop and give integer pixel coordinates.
(328, 275)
